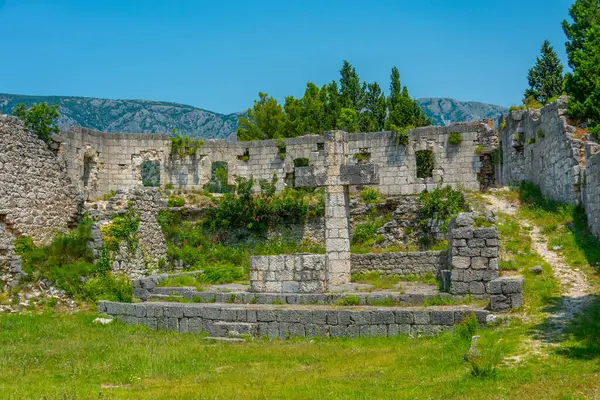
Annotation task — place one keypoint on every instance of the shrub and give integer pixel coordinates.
(122, 227)
(424, 163)
(455, 138)
(467, 328)
(109, 195)
(183, 145)
(362, 157)
(541, 134)
(40, 118)
(531, 140)
(176, 201)
(503, 125)
(479, 149)
(401, 134)
(364, 232)
(169, 186)
(442, 204)
(107, 287)
(369, 195)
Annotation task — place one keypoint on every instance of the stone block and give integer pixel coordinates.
(476, 242)
(489, 252)
(265, 316)
(464, 219)
(461, 262)
(516, 300)
(462, 233)
(512, 285)
(479, 263)
(495, 286)
(459, 287)
(421, 317)
(477, 288)
(441, 317)
(379, 317)
(485, 233)
(360, 317)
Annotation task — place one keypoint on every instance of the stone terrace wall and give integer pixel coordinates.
(417, 263)
(106, 161)
(37, 198)
(278, 322)
(540, 146)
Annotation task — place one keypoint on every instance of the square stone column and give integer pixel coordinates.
(337, 234)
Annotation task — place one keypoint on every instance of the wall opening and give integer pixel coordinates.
(363, 156)
(150, 173)
(320, 146)
(219, 181)
(290, 179)
(300, 162)
(90, 171)
(245, 156)
(424, 163)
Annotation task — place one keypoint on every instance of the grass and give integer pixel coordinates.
(66, 356)
(187, 280)
(376, 280)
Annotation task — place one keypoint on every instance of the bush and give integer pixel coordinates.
(369, 195)
(183, 145)
(541, 134)
(467, 328)
(40, 118)
(364, 232)
(107, 287)
(442, 204)
(424, 163)
(455, 138)
(401, 134)
(348, 300)
(531, 140)
(479, 149)
(176, 201)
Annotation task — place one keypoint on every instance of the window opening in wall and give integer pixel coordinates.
(320, 146)
(88, 166)
(290, 179)
(150, 173)
(219, 178)
(363, 156)
(300, 162)
(245, 156)
(424, 163)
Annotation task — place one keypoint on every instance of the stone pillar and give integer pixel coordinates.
(337, 218)
(473, 253)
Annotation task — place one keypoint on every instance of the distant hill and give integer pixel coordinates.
(143, 116)
(443, 111)
(132, 116)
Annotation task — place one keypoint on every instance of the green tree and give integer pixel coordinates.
(348, 120)
(40, 118)
(332, 105)
(375, 109)
(546, 76)
(351, 91)
(266, 120)
(583, 49)
(404, 111)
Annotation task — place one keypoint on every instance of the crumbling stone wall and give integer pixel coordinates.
(37, 198)
(100, 162)
(591, 189)
(151, 247)
(542, 147)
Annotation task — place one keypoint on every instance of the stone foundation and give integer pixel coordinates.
(297, 273)
(286, 322)
(506, 293)
(401, 264)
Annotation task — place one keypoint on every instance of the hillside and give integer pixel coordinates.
(444, 111)
(144, 116)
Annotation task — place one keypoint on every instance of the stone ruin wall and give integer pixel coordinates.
(591, 189)
(100, 162)
(541, 146)
(37, 198)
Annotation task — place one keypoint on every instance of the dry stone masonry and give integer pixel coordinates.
(37, 198)
(473, 253)
(296, 273)
(419, 264)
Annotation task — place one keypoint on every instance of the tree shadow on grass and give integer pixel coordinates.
(582, 333)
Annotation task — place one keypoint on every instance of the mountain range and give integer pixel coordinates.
(145, 116)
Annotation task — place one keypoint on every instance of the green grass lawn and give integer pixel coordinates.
(65, 356)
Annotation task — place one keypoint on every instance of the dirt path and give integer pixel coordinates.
(575, 288)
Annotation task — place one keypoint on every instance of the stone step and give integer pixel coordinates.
(233, 329)
(362, 298)
(224, 339)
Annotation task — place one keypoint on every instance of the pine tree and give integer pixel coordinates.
(583, 49)
(348, 120)
(266, 120)
(404, 111)
(546, 76)
(374, 112)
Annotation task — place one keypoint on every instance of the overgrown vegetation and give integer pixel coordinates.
(183, 146)
(424, 163)
(455, 138)
(441, 204)
(40, 118)
(369, 195)
(68, 264)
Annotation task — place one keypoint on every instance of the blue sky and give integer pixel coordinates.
(217, 55)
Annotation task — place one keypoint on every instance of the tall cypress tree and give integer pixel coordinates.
(546, 76)
(351, 91)
(583, 49)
